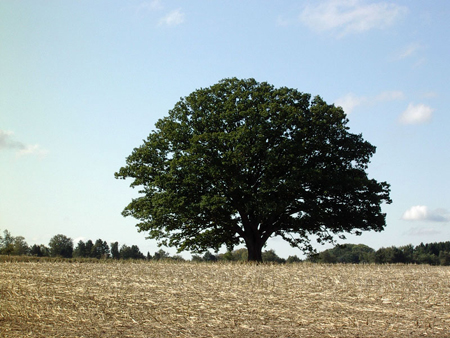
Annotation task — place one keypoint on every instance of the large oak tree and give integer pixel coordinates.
(242, 161)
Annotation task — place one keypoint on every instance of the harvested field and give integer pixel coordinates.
(156, 299)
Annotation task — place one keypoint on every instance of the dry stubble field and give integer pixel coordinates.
(155, 299)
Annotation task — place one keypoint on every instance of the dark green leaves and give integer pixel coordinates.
(242, 161)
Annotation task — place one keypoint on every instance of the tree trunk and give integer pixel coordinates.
(254, 248)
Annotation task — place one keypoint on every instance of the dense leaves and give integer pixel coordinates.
(10, 245)
(242, 161)
(90, 250)
(432, 253)
(61, 246)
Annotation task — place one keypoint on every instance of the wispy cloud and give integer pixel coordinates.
(282, 21)
(422, 232)
(342, 17)
(149, 6)
(155, 8)
(8, 143)
(416, 114)
(412, 52)
(389, 96)
(408, 51)
(32, 149)
(174, 18)
(350, 101)
(423, 213)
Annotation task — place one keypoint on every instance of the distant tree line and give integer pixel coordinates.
(431, 253)
(63, 246)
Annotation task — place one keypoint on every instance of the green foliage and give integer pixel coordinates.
(80, 250)
(227, 256)
(326, 257)
(408, 253)
(176, 258)
(133, 252)
(45, 251)
(427, 258)
(242, 161)
(61, 246)
(347, 253)
(241, 255)
(100, 249)
(271, 256)
(6, 243)
(390, 255)
(10, 245)
(115, 254)
(444, 258)
(209, 257)
(161, 254)
(235, 255)
(293, 259)
(35, 250)
(353, 253)
(431, 253)
(90, 250)
(20, 246)
(89, 247)
(196, 258)
(39, 251)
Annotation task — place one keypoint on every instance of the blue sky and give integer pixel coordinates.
(83, 82)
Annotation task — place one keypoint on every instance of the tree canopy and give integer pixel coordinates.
(61, 245)
(242, 161)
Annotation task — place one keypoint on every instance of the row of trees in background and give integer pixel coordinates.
(432, 253)
(63, 246)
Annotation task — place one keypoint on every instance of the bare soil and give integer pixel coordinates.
(164, 299)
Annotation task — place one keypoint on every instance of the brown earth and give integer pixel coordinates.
(157, 299)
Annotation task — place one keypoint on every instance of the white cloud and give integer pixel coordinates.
(423, 213)
(149, 6)
(7, 143)
(416, 114)
(350, 16)
(282, 21)
(34, 149)
(408, 51)
(412, 52)
(174, 18)
(350, 101)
